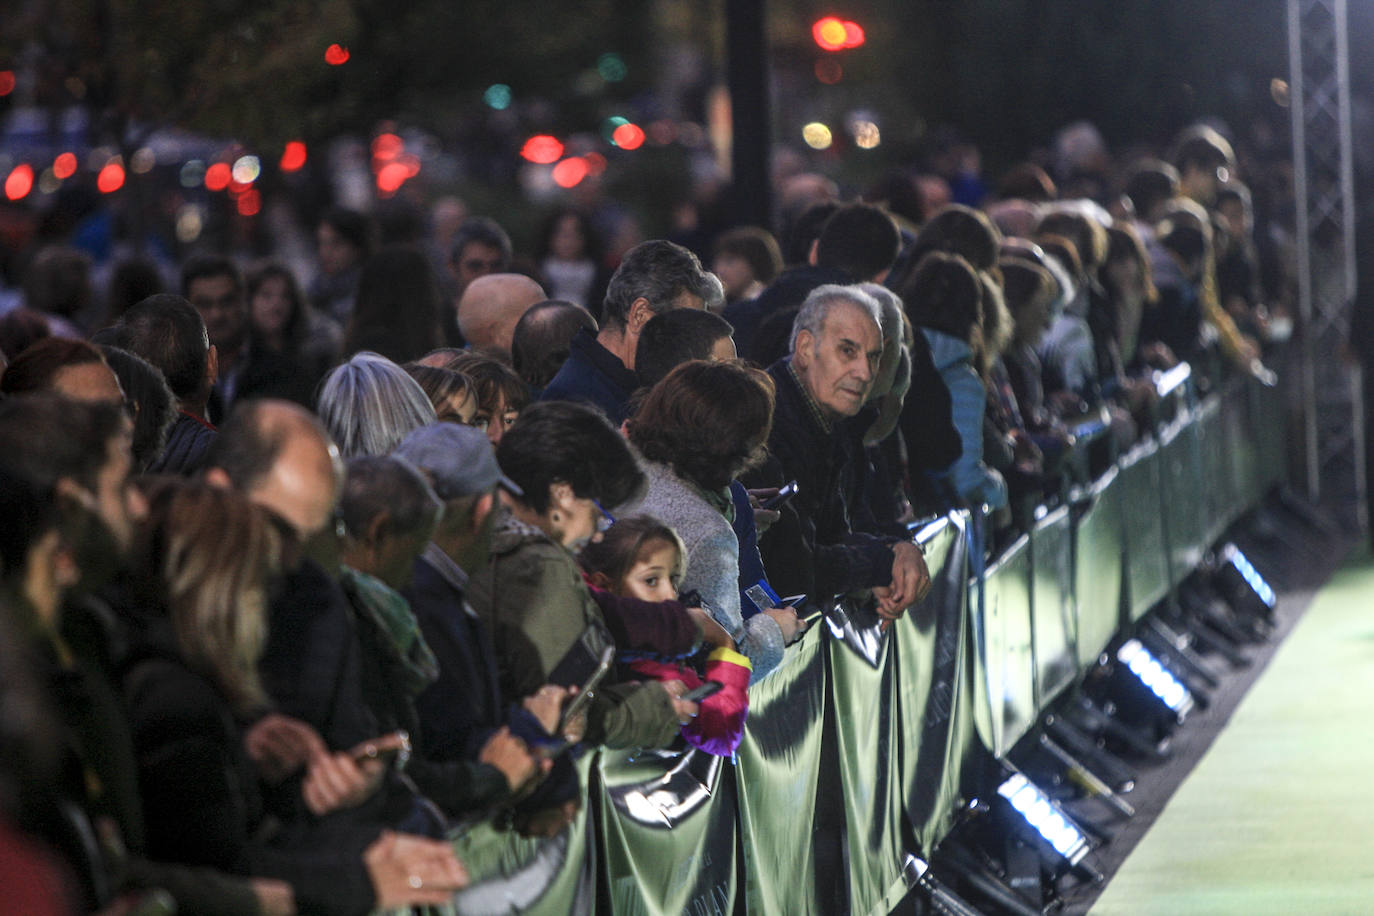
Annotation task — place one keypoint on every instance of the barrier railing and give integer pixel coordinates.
(860, 746)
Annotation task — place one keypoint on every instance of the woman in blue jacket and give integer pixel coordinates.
(943, 299)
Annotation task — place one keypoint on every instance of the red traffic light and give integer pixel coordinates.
(835, 34)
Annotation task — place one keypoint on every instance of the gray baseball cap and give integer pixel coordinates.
(458, 460)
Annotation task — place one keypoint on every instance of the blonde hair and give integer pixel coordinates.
(213, 552)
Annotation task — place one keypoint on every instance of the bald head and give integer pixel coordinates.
(491, 306)
(279, 455)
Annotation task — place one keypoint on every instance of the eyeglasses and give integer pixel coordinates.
(606, 520)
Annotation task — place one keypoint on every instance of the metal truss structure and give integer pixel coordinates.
(1319, 92)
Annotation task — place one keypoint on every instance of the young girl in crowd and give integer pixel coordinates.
(640, 557)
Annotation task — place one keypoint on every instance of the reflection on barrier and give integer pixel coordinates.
(860, 747)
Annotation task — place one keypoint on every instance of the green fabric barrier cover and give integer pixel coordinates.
(1180, 498)
(1147, 570)
(1053, 612)
(868, 741)
(1241, 450)
(1218, 486)
(784, 807)
(514, 874)
(1008, 678)
(668, 838)
(935, 683)
(1100, 567)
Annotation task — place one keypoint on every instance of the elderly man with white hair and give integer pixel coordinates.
(836, 347)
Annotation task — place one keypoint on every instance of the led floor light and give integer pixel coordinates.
(1157, 678)
(1243, 585)
(1038, 811)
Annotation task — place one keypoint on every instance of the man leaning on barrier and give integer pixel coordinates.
(836, 345)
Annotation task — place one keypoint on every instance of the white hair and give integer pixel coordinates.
(817, 306)
(369, 404)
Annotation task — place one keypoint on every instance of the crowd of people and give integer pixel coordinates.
(302, 583)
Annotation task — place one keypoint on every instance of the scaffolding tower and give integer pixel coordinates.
(1319, 92)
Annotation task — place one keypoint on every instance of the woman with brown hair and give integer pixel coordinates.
(703, 425)
(501, 394)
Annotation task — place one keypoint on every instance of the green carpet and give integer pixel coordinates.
(1278, 816)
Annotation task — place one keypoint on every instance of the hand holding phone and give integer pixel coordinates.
(707, 689)
(783, 496)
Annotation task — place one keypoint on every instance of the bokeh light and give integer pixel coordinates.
(596, 163)
(817, 135)
(48, 183)
(192, 174)
(293, 157)
(609, 125)
(218, 176)
(246, 170)
(190, 221)
(497, 96)
(612, 67)
(628, 136)
(853, 34)
(111, 177)
(336, 55)
(142, 161)
(662, 132)
(829, 33)
(866, 134)
(7, 82)
(64, 166)
(570, 172)
(249, 202)
(391, 176)
(386, 147)
(829, 71)
(20, 182)
(1278, 91)
(543, 149)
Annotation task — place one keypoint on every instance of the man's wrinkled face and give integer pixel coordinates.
(221, 305)
(839, 366)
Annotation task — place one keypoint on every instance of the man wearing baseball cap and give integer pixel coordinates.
(463, 715)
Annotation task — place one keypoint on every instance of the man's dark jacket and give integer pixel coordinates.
(593, 375)
(812, 548)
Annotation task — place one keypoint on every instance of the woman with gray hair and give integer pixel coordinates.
(369, 404)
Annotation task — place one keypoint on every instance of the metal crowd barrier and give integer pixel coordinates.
(860, 747)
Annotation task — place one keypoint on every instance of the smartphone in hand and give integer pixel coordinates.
(783, 496)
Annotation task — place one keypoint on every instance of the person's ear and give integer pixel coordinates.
(812, 253)
(640, 313)
(801, 354)
(212, 366)
(560, 500)
(561, 493)
(480, 510)
(378, 531)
